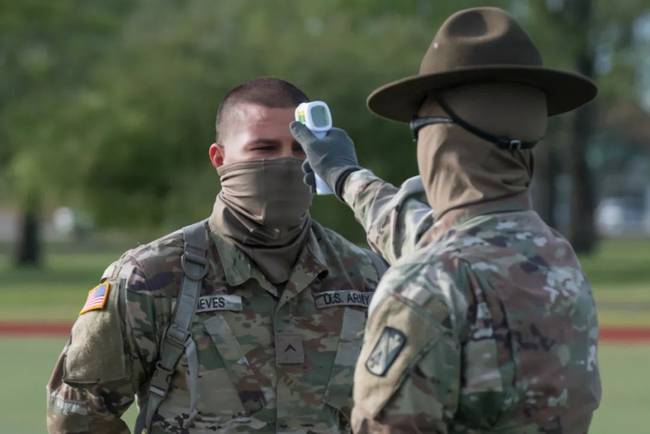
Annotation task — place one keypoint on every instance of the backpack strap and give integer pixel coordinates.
(178, 336)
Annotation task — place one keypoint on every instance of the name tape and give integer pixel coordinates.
(209, 303)
(342, 298)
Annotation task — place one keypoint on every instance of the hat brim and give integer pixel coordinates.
(400, 100)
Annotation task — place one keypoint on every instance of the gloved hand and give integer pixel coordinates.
(332, 158)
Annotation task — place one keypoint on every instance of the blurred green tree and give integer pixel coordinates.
(595, 39)
(155, 97)
(45, 50)
(110, 106)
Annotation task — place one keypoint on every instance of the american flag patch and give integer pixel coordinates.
(96, 298)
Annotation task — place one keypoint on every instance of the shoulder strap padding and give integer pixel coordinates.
(194, 263)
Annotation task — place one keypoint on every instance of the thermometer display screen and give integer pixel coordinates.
(319, 117)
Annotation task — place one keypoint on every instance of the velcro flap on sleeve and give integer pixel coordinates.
(397, 336)
(96, 350)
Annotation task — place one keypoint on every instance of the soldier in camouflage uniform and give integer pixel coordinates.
(275, 326)
(485, 322)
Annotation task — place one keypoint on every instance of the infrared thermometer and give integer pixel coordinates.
(317, 117)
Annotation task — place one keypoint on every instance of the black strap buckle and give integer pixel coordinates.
(515, 145)
(161, 380)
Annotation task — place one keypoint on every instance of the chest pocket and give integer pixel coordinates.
(217, 380)
(226, 379)
(339, 387)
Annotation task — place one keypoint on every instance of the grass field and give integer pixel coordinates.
(619, 271)
(624, 410)
(620, 275)
(29, 360)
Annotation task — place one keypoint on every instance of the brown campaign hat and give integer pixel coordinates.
(480, 45)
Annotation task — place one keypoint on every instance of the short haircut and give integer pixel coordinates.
(264, 91)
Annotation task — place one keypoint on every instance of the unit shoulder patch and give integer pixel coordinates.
(386, 350)
(97, 298)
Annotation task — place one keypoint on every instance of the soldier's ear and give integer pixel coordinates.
(217, 154)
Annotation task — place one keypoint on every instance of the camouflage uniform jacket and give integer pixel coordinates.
(270, 360)
(489, 327)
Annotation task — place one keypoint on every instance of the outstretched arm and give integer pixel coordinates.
(394, 219)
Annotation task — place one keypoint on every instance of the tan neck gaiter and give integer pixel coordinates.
(460, 169)
(263, 209)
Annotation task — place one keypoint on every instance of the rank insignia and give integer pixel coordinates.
(385, 352)
(97, 298)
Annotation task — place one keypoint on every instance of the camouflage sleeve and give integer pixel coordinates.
(380, 266)
(105, 362)
(407, 377)
(394, 219)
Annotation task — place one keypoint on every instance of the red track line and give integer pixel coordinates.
(34, 328)
(625, 334)
(45, 328)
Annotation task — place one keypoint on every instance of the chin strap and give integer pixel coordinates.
(502, 142)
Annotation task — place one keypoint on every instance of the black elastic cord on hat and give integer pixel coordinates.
(502, 142)
(417, 123)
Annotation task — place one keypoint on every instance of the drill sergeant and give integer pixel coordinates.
(484, 322)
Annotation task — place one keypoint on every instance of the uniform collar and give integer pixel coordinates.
(238, 268)
(458, 216)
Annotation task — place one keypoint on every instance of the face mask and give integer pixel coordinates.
(262, 209)
(268, 193)
(458, 168)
